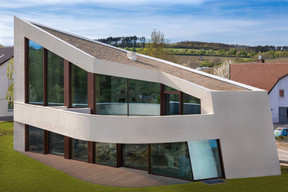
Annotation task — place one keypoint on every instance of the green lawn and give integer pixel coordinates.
(21, 173)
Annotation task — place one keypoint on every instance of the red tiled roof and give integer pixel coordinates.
(260, 75)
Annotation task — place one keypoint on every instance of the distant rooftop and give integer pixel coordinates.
(110, 53)
(260, 75)
(6, 53)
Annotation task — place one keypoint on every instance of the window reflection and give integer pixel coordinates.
(79, 150)
(55, 72)
(111, 95)
(191, 105)
(135, 156)
(171, 159)
(205, 159)
(56, 144)
(79, 86)
(36, 139)
(35, 73)
(144, 98)
(105, 154)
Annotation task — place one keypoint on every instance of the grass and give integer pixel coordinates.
(21, 173)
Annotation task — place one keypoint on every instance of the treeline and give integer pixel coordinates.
(128, 41)
(219, 46)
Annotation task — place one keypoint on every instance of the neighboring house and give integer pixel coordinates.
(6, 110)
(271, 77)
(88, 101)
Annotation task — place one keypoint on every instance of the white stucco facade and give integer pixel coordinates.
(4, 84)
(241, 120)
(276, 100)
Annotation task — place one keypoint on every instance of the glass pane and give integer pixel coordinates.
(35, 73)
(55, 79)
(171, 159)
(144, 98)
(171, 104)
(111, 95)
(167, 88)
(135, 156)
(191, 105)
(79, 86)
(36, 139)
(56, 143)
(79, 150)
(205, 159)
(105, 154)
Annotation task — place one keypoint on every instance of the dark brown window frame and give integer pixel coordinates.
(281, 93)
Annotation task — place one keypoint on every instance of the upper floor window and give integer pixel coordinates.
(79, 86)
(55, 79)
(281, 93)
(35, 73)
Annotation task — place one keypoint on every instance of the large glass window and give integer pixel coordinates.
(79, 150)
(105, 154)
(135, 156)
(171, 159)
(79, 86)
(205, 159)
(171, 104)
(56, 143)
(55, 79)
(35, 73)
(144, 98)
(111, 95)
(36, 139)
(191, 105)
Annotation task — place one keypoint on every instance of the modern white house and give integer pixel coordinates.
(6, 110)
(88, 101)
(271, 77)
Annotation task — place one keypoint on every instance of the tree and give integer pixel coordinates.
(223, 70)
(10, 75)
(157, 47)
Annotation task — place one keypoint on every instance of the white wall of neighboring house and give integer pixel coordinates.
(276, 101)
(4, 83)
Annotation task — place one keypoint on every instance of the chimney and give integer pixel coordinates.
(260, 59)
(131, 55)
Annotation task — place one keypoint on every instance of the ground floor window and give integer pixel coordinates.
(79, 150)
(135, 156)
(205, 159)
(105, 154)
(56, 144)
(191, 160)
(171, 159)
(36, 139)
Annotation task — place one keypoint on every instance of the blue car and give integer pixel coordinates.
(280, 131)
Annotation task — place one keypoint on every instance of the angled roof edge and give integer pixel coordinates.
(277, 82)
(42, 30)
(204, 73)
(35, 24)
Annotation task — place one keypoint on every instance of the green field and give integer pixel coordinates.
(21, 173)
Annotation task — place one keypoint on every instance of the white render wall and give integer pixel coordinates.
(276, 101)
(240, 119)
(4, 83)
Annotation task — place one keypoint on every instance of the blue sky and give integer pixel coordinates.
(245, 22)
